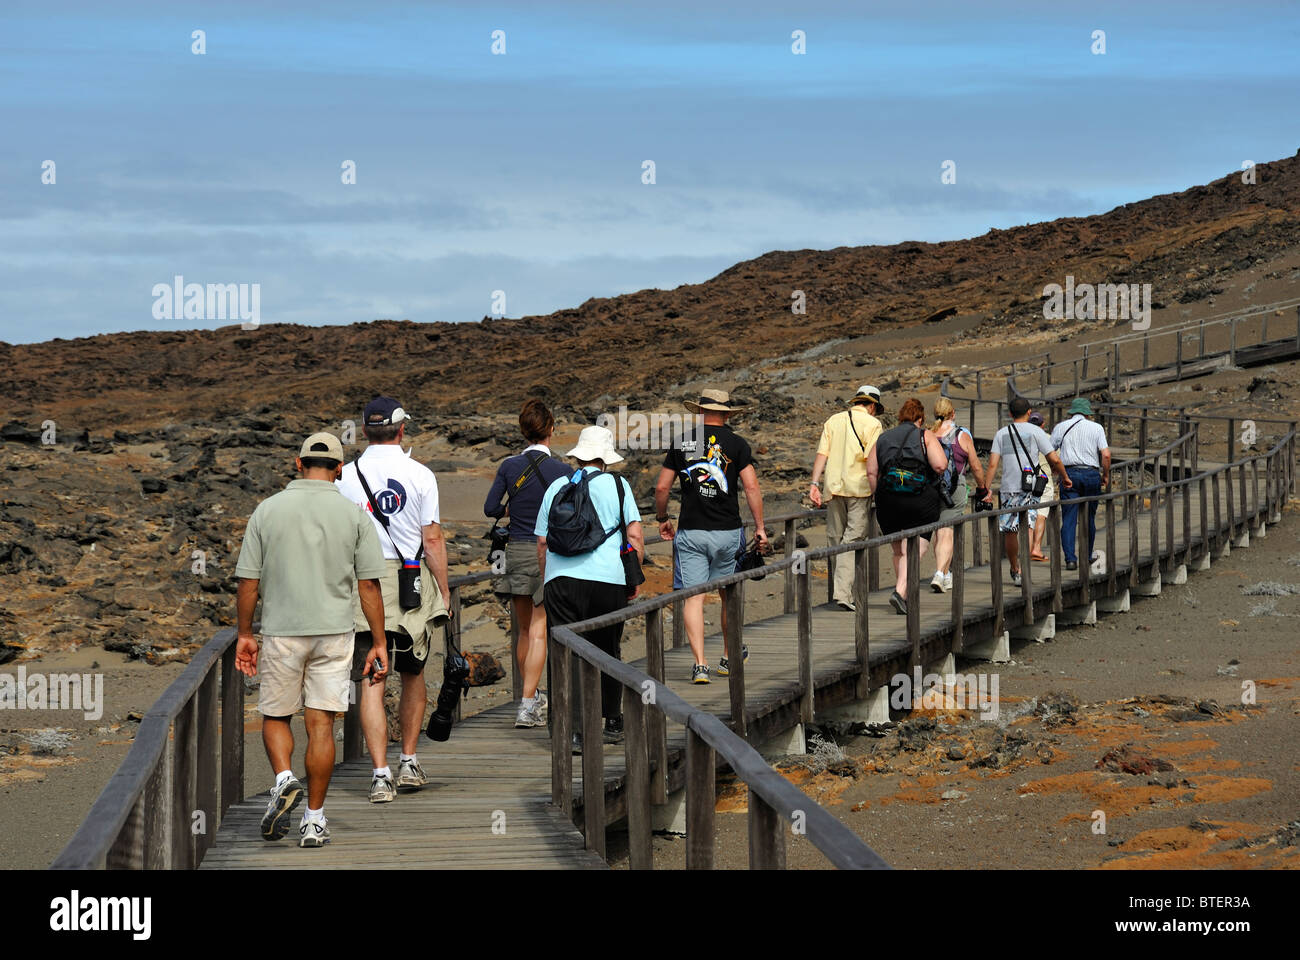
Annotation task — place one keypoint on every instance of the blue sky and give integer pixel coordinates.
(522, 172)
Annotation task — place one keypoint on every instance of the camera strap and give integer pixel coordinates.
(856, 435)
(534, 469)
(1016, 434)
(379, 514)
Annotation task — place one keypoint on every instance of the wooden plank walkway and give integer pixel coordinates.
(491, 774)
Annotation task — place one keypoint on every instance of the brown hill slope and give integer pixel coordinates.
(652, 338)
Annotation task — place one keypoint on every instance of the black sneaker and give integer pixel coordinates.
(613, 732)
(724, 668)
(1071, 565)
(898, 603)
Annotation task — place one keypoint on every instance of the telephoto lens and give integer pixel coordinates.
(455, 679)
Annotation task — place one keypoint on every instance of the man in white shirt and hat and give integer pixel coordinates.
(1085, 453)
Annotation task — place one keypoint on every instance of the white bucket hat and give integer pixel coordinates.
(595, 443)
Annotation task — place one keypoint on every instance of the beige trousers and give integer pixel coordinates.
(846, 521)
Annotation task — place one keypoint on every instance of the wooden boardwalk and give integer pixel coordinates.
(491, 775)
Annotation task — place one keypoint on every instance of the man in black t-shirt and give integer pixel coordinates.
(712, 464)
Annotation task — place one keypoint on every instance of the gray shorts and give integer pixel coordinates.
(703, 555)
(523, 576)
(960, 498)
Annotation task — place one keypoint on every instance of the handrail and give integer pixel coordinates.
(773, 799)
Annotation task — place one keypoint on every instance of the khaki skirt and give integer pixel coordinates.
(418, 624)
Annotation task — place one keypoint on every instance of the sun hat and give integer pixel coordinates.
(322, 445)
(383, 412)
(1081, 405)
(713, 401)
(595, 443)
(867, 392)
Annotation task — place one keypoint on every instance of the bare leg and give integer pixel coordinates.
(415, 697)
(532, 644)
(374, 722)
(1036, 536)
(1011, 542)
(693, 621)
(320, 755)
(277, 737)
(942, 549)
(900, 568)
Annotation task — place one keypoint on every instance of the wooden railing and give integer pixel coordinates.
(162, 807)
(1109, 360)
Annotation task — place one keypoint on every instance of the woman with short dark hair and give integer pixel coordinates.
(903, 468)
(520, 483)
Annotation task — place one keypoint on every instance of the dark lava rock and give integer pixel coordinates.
(15, 432)
(153, 485)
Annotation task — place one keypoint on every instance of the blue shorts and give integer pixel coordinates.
(703, 555)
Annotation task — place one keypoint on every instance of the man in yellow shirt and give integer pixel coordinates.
(847, 439)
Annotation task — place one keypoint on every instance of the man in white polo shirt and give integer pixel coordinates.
(402, 503)
(1086, 456)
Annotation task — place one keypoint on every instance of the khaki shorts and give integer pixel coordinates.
(523, 576)
(304, 671)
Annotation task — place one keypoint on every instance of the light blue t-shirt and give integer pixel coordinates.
(603, 565)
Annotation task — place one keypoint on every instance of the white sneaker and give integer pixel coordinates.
(410, 776)
(937, 583)
(314, 833)
(947, 582)
(381, 790)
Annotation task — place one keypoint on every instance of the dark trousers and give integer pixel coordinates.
(1087, 483)
(568, 601)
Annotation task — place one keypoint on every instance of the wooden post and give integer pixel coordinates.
(679, 626)
(560, 713)
(185, 735)
(1205, 520)
(1142, 436)
(1232, 343)
(734, 640)
(1155, 523)
(873, 554)
(232, 731)
(995, 575)
(1232, 439)
(159, 849)
(353, 739)
(1170, 492)
(656, 722)
(861, 627)
(1146, 351)
(209, 758)
(700, 800)
(913, 598)
(1258, 509)
(788, 601)
(1114, 369)
(804, 621)
(766, 836)
(1083, 553)
(1111, 576)
(1185, 490)
(1076, 377)
(1054, 549)
(451, 635)
(593, 760)
(1228, 494)
(1245, 510)
(1134, 553)
(637, 758)
(1026, 578)
(976, 540)
(1178, 355)
(958, 570)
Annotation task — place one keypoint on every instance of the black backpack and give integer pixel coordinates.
(906, 473)
(573, 526)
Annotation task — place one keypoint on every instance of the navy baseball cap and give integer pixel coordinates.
(384, 411)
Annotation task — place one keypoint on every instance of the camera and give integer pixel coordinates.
(980, 504)
(455, 680)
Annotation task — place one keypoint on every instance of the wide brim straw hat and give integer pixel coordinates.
(595, 443)
(714, 401)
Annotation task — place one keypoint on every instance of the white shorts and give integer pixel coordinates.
(305, 671)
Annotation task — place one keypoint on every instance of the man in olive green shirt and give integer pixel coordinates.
(846, 442)
(306, 550)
